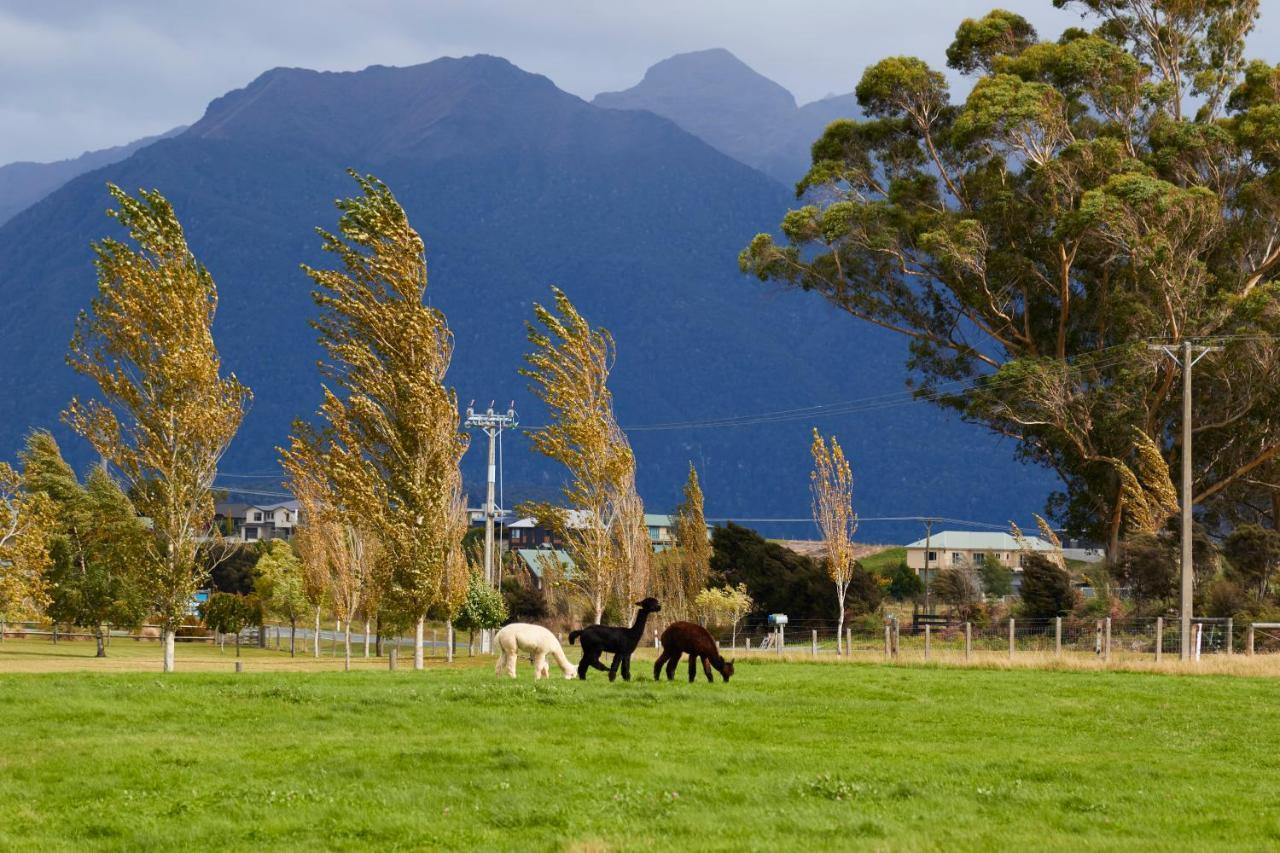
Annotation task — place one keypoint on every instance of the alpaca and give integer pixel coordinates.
(538, 642)
(621, 642)
(682, 637)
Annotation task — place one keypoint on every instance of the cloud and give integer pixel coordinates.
(77, 76)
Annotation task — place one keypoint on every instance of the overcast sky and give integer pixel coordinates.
(77, 75)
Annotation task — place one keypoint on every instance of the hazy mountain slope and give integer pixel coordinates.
(515, 185)
(22, 184)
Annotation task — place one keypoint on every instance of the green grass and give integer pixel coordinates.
(787, 756)
(884, 562)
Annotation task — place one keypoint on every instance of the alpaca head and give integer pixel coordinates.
(570, 674)
(649, 605)
(727, 670)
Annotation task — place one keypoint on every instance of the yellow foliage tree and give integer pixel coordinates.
(26, 521)
(166, 414)
(569, 370)
(390, 444)
(831, 486)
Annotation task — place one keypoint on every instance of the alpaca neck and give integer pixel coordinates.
(637, 627)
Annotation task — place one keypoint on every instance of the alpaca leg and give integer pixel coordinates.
(693, 667)
(590, 658)
(626, 667)
(539, 666)
(657, 665)
(500, 667)
(706, 667)
(613, 668)
(671, 667)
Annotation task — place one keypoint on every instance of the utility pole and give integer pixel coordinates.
(493, 424)
(1191, 354)
(928, 541)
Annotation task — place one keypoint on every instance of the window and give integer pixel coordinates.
(257, 516)
(957, 559)
(933, 557)
(979, 558)
(251, 533)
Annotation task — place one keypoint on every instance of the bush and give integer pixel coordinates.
(997, 578)
(524, 603)
(905, 584)
(1046, 588)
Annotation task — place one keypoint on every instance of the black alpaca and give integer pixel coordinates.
(685, 637)
(608, 638)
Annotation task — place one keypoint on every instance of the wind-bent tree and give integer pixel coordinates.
(1254, 554)
(1090, 195)
(389, 442)
(166, 414)
(569, 371)
(97, 544)
(281, 584)
(831, 485)
(26, 522)
(690, 564)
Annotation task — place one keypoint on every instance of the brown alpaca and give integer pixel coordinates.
(687, 638)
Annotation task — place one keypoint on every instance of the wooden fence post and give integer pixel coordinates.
(927, 639)
(1231, 636)
(968, 640)
(848, 641)
(888, 641)
(1012, 641)
(895, 636)
(1248, 641)
(1106, 643)
(748, 644)
(239, 666)
(391, 657)
(1159, 638)
(813, 642)
(1057, 636)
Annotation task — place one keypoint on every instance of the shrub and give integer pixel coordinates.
(1046, 588)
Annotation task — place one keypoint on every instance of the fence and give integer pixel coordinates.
(1155, 638)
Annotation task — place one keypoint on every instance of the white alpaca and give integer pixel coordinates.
(535, 640)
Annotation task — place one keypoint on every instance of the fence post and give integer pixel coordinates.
(1012, 641)
(1057, 636)
(848, 642)
(1248, 641)
(1159, 638)
(968, 640)
(927, 638)
(239, 666)
(748, 644)
(888, 641)
(895, 636)
(1231, 636)
(1197, 636)
(1106, 643)
(813, 641)
(391, 657)
(777, 636)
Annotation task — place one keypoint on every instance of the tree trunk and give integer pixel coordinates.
(337, 629)
(102, 646)
(448, 642)
(346, 645)
(293, 633)
(377, 640)
(840, 594)
(417, 642)
(366, 637)
(168, 649)
(316, 638)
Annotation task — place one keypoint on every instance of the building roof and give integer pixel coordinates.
(534, 558)
(652, 520)
(236, 510)
(968, 540)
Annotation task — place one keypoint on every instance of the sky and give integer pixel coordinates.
(78, 75)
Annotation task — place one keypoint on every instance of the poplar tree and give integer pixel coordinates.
(26, 521)
(165, 414)
(1093, 193)
(831, 486)
(569, 371)
(389, 447)
(682, 572)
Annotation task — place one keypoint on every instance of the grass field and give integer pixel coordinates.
(787, 756)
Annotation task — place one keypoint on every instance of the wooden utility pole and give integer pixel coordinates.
(1190, 355)
(492, 424)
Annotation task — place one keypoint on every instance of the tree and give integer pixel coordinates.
(26, 521)
(228, 613)
(1030, 241)
(724, 603)
(569, 371)
(959, 588)
(166, 413)
(97, 545)
(524, 603)
(997, 578)
(905, 584)
(1254, 553)
(386, 460)
(280, 585)
(482, 608)
(1046, 588)
(778, 579)
(1148, 566)
(680, 573)
(831, 486)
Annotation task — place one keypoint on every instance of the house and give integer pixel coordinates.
(537, 561)
(257, 522)
(954, 549)
(662, 530)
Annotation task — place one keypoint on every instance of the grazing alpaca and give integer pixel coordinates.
(538, 642)
(620, 641)
(685, 637)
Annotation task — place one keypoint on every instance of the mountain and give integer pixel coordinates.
(22, 184)
(514, 185)
(721, 100)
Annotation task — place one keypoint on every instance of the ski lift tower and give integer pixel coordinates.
(493, 424)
